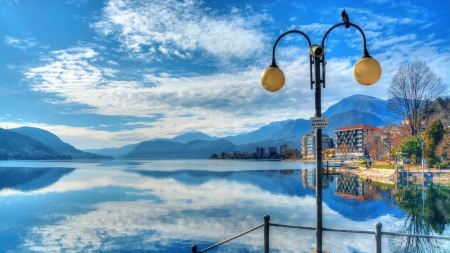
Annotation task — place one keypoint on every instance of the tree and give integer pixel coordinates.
(433, 137)
(328, 153)
(443, 148)
(344, 150)
(289, 152)
(374, 144)
(412, 146)
(412, 91)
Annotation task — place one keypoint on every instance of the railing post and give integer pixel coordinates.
(378, 226)
(266, 233)
(194, 248)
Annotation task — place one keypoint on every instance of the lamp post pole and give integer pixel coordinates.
(319, 166)
(367, 71)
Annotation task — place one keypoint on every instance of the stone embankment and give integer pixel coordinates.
(387, 175)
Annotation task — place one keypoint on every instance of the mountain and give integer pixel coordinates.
(185, 138)
(353, 110)
(263, 133)
(15, 146)
(294, 142)
(166, 149)
(294, 128)
(55, 143)
(113, 152)
(351, 118)
(360, 103)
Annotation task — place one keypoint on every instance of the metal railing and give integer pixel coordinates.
(378, 233)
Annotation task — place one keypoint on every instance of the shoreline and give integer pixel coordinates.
(384, 175)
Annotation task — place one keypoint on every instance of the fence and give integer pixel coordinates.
(378, 233)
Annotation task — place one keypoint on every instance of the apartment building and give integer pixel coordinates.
(260, 152)
(309, 144)
(350, 140)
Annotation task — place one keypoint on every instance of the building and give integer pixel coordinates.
(272, 151)
(260, 152)
(309, 144)
(350, 140)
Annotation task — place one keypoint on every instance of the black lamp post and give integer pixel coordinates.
(366, 71)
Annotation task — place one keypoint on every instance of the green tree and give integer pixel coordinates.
(433, 137)
(411, 145)
(443, 149)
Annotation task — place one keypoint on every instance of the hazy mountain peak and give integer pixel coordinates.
(187, 137)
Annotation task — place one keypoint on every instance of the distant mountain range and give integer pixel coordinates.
(30, 143)
(353, 110)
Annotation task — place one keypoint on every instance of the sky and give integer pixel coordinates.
(110, 73)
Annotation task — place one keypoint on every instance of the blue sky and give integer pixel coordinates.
(110, 73)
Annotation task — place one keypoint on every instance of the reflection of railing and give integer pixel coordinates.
(266, 226)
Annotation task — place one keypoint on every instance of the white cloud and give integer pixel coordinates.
(22, 44)
(180, 29)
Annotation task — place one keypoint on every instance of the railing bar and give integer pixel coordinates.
(230, 239)
(348, 231)
(414, 235)
(291, 226)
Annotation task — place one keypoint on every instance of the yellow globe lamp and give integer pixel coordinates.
(272, 79)
(367, 71)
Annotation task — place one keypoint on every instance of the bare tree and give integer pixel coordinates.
(375, 145)
(412, 91)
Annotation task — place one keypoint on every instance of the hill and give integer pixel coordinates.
(15, 146)
(263, 133)
(55, 143)
(165, 149)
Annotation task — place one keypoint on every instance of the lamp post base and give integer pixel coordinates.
(314, 251)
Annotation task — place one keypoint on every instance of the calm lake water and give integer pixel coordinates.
(166, 206)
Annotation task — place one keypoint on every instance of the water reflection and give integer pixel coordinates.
(428, 213)
(29, 179)
(127, 206)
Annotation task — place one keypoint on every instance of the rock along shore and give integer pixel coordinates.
(387, 175)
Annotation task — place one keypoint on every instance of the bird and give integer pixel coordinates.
(345, 18)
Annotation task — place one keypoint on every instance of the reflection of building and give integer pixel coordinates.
(309, 145)
(309, 179)
(350, 140)
(349, 186)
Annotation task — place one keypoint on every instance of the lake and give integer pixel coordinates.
(166, 206)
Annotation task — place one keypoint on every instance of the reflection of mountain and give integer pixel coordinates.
(287, 183)
(29, 179)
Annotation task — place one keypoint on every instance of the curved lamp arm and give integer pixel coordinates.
(365, 51)
(274, 64)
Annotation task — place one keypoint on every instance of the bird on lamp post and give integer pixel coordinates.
(345, 18)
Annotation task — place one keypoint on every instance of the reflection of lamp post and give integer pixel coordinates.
(423, 173)
(366, 71)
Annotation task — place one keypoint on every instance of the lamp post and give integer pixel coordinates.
(366, 71)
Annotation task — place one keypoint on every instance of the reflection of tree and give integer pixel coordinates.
(425, 216)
